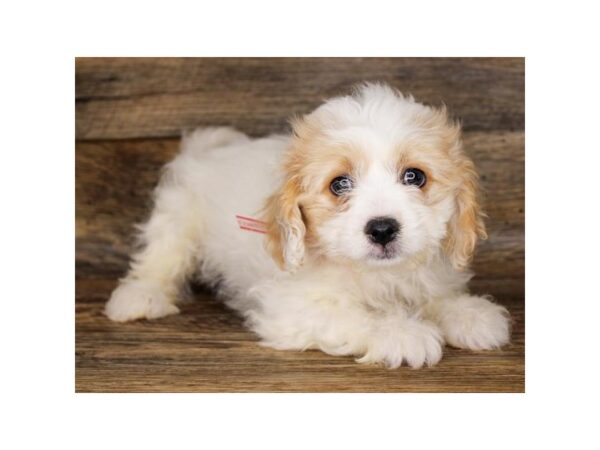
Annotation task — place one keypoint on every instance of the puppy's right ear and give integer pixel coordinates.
(285, 227)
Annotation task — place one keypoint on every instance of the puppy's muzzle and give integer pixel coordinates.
(382, 230)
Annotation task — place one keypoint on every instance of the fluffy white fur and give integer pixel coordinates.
(333, 289)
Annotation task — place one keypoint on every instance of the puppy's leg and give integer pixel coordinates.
(158, 271)
(295, 319)
(471, 322)
(395, 338)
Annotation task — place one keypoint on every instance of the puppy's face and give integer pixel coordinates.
(378, 179)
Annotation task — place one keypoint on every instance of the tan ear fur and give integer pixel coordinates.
(467, 225)
(285, 227)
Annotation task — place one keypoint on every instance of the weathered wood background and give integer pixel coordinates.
(129, 114)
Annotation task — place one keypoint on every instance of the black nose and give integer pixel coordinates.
(382, 230)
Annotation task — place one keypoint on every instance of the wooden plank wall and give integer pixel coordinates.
(130, 112)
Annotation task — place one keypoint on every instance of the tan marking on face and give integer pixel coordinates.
(437, 150)
(305, 201)
(433, 148)
(322, 163)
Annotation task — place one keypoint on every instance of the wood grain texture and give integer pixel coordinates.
(207, 349)
(120, 98)
(115, 180)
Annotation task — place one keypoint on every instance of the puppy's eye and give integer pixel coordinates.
(414, 177)
(341, 185)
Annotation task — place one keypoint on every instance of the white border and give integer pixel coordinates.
(39, 43)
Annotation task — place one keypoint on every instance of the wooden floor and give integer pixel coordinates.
(206, 349)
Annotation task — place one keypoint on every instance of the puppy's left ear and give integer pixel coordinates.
(285, 226)
(467, 225)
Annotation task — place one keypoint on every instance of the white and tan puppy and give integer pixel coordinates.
(371, 217)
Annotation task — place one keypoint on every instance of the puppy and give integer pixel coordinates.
(352, 236)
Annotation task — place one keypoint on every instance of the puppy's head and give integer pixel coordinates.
(375, 178)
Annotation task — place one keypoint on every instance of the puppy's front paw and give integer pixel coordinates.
(138, 300)
(414, 342)
(475, 323)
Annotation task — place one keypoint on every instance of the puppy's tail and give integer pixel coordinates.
(201, 139)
